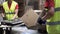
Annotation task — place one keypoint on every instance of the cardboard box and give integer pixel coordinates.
(30, 17)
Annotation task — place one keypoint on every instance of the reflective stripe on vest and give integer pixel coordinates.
(57, 9)
(54, 23)
(9, 12)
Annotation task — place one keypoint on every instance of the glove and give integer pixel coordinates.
(40, 21)
(4, 18)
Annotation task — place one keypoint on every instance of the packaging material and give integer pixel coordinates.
(30, 17)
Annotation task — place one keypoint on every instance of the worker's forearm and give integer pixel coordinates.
(46, 16)
(3, 15)
(16, 12)
(49, 14)
(14, 16)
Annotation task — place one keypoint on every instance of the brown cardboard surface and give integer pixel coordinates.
(30, 18)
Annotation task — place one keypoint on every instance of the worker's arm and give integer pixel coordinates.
(49, 14)
(46, 16)
(50, 4)
(16, 12)
(3, 14)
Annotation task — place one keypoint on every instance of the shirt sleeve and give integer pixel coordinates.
(17, 6)
(49, 3)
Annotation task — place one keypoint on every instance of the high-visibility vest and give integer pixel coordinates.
(53, 24)
(9, 12)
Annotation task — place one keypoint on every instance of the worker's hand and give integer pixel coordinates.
(40, 21)
(4, 18)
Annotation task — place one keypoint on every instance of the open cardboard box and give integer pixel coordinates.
(30, 17)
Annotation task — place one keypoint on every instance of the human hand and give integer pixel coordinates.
(40, 21)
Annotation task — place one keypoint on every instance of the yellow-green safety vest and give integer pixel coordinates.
(9, 12)
(53, 24)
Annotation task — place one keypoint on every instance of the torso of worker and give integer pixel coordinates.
(53, 24)
(9, 12)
